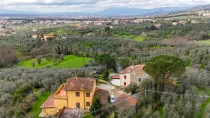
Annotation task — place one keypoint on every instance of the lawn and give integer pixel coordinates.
(188, 61)
(70, 61)
(205, 42)
(19, 53)
(128, 36)
(35, 109)
(28, 63)
(203, 107)
(161, 111)
(88, 116)
(124, 36)
(139, 38)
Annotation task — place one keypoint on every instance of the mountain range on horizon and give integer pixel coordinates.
(112, 11)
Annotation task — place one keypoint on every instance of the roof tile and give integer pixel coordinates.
(73, 84)
(133, 68)
(49, 103)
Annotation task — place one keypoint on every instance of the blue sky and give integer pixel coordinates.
(91, 5)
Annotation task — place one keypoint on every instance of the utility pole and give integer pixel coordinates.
(145, 96)
(145, 93)
(83, 59)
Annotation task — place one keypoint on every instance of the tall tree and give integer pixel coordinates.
(160, 68)
(96, 105)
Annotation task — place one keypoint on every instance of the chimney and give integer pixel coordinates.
(82, 86)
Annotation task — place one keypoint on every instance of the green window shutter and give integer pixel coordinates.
(139, 79)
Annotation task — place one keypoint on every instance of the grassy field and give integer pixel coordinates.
(206, 42)
(188, 61)
(70, 61)
(35, 110)
(139, 38)
(28, 63)
(203, 107)
(161, 111)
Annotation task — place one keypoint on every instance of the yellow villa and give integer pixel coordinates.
(47, 36)
(75, 93)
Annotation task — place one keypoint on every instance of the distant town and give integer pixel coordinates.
(126, 66)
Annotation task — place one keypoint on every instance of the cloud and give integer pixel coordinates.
(91, 5)
(48, 2)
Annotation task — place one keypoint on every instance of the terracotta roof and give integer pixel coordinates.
(103, 95)
(49, 103)
(125, 100)
(133, 68)
(50, 34)
(116, 77)
(79, 84)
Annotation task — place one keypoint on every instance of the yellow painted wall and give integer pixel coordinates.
(49, 112)
(73, 99)
(89, 99)
(60, 103)
(82, 99)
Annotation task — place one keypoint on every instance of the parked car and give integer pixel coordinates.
(112, 99)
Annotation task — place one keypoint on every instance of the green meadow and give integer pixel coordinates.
(139, 38)
(70, 61)
(35, 108)
(205, 42)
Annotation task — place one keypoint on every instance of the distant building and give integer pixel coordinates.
(80, 27)
(183, 22)
(158, 25)
(35, 36)
(174, 23)
(195, 21)
(203, 13)
(34, 30)
(116, 22)
(47, 36)
(132, 74)
(111, 27)
(115, 80)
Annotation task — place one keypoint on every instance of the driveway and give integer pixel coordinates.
(112, 89)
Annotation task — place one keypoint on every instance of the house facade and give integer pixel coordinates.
(75, 93)
(47, 36)
(132, 74)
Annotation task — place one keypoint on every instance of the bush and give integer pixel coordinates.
(132, 88)
(88, 116)
(21, 92)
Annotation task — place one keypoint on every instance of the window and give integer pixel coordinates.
(88, 104)
(124, 76)
(139, 79)
(87, 94)
(77, 105)
(124, 83)
(77, 94)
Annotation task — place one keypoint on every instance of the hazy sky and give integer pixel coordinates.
(90, 5)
